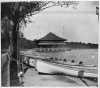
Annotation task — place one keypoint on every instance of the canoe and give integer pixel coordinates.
(51, 68)
(92, 67)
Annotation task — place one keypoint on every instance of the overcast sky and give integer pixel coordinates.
(77, 25)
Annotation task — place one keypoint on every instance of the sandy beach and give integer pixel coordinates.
(32, 78)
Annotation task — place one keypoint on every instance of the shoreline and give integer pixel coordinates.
(32, 78)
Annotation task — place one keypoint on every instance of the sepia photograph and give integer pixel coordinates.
(49, 43)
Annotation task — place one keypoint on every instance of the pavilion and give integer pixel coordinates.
(51, 42)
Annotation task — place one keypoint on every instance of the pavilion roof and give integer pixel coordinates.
(51, 37)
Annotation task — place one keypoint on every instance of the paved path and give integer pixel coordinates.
(32, 78)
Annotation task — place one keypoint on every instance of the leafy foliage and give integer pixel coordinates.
(15, 13)
(21, 10)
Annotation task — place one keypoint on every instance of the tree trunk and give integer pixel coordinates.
(14, 81)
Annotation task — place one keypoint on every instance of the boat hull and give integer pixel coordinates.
(50, 68)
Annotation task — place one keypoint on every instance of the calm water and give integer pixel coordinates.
(88, 56)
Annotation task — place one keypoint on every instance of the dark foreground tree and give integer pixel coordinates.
(16, 14)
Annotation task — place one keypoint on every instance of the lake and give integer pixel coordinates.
(87, 56)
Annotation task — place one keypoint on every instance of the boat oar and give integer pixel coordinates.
(84, 81)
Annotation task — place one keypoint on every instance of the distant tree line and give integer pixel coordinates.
(29, 44)
(26, 44)
(81, 45)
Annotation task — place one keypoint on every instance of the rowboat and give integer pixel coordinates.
(52, 68)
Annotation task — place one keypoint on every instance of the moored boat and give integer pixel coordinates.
(52, 68)
(88, 67)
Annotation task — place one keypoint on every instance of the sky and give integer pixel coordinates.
(77, 25)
